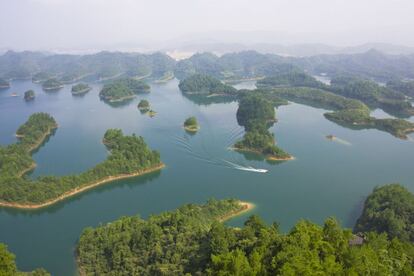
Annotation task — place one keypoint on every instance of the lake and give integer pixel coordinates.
(327, 178)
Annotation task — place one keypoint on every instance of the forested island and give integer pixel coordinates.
(4, 83)
(192, 240)
(191, 124)
(123, 89)
(256, 114)
(143, 105)
(80, 89)
(8, 265)
(52, 84)
(129, 157)
(29, 95)
(205, 84)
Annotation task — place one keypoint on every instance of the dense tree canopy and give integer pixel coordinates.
(389, 209)
(192, 240)
(8, 265)
(254, 107)
(201, 83)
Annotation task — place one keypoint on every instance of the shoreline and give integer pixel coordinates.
(79, 190)
(245, 207)
(267, 157)
(82, 91)
(191, 129)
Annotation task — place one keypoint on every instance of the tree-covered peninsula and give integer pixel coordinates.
(205, 84)
(292, 78)
(172, 243)
(52, 84)
(372, 94)
(8, 265)
(29, 95)
(129, 156)
(347, 112)
(122, 90)
(191, 124)
(257, 114)
(4, 83)
(389, 209)
(193, 241)
(80, 88)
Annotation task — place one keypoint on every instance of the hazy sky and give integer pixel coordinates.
(66, 24)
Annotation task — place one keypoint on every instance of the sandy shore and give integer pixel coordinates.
(80, 189)
(244, 208)
(192, 129)
(267, 157)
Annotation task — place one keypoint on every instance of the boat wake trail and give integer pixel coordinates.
(205, 156)
(245, 168)
(343, 142)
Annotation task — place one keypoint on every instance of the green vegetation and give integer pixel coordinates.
(193, 241)
(8, 265)
(347, 112)
(144, 105)
(191, 124)
(389, 209)
(404, 87)
(372, 94)
(293, 78)
(254, 107)
(4, 83)
(41, 77)
(80, 88)
(257, 114)
(129, 156)
(52, 84)
(171, 243)
(123, 89)
(29, 95)
(205, 84)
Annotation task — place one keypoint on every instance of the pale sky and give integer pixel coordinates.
(66, 24)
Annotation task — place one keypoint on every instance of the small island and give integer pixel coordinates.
(123, 90)
(191, 124)
(257, 114)
(143, 106)
(80, 89)
(29, 95)
(129, 157)
(207, 85)
(52, 85)
(4, 84)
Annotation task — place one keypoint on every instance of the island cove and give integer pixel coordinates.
(129, 157)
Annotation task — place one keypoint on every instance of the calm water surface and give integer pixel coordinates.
(326, 178)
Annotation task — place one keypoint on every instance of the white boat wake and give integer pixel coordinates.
(248, 168)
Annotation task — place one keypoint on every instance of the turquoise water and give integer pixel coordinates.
(327, 178)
